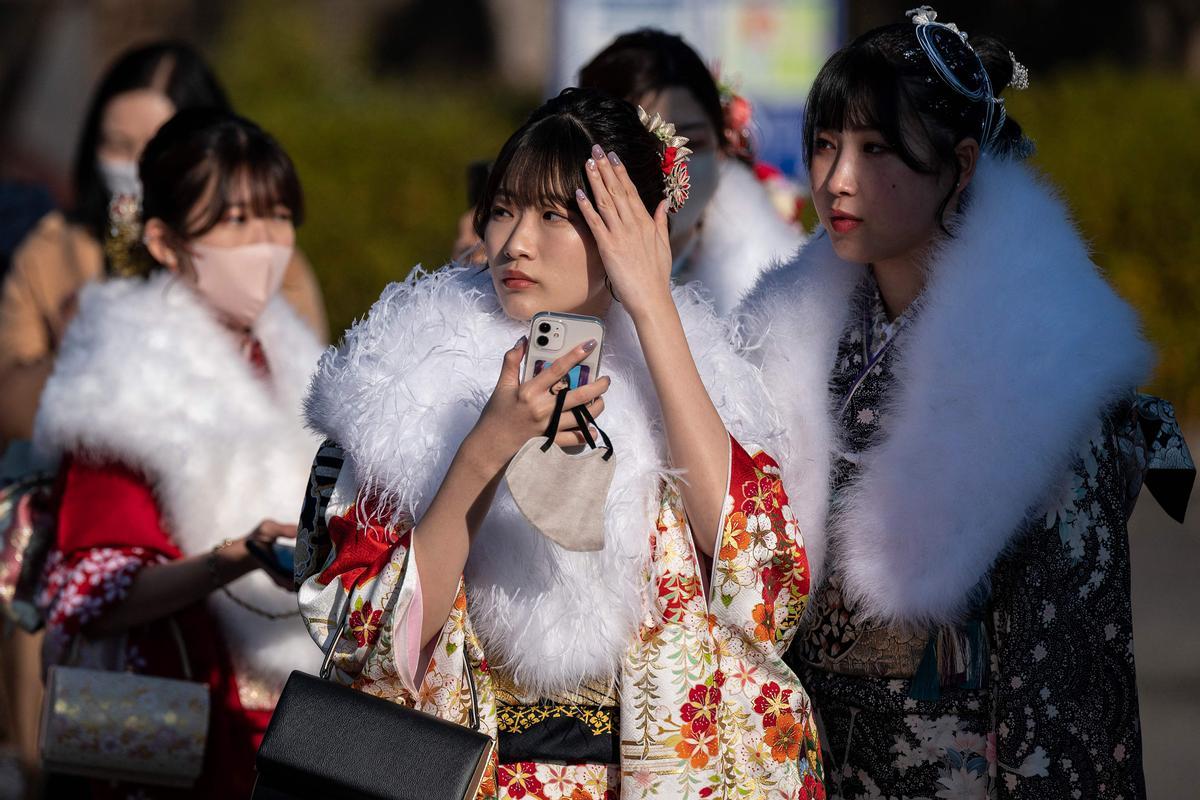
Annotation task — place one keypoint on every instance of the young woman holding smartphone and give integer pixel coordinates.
(653, 665)
(174, 406)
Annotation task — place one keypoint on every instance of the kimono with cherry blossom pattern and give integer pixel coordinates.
(707, 706)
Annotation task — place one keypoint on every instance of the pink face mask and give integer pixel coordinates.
(238, 282)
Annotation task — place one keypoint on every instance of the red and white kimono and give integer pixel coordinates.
(174, 436)
(642, 670)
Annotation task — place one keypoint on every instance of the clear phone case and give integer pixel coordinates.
(553, 335)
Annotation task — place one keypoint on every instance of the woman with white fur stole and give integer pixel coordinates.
(175, 406)
(964, 444)
(652, 667)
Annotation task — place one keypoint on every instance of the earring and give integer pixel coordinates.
(608, 285)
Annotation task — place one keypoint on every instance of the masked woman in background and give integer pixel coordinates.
(730, 230)
(175, 407)
(136, 96)
(651, 667)
(957, 382)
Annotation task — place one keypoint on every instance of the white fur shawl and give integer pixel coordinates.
(406, 387)
(146, 376)
(1017, 345)
(742, 235)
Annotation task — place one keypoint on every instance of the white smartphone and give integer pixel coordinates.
(552, 334)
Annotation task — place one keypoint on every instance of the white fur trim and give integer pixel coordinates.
(742, 235)
(406, 387)
(790, 325)
(146, 376)
(1016, 346)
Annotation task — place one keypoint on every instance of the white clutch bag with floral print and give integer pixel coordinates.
(124, 726)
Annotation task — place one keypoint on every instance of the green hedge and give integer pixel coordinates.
(383, 163)
(1124, 149)
(383, 166)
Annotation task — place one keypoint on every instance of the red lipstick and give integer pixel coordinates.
(516, 280)
(843, 222)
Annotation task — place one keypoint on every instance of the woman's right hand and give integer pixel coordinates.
(518, 412)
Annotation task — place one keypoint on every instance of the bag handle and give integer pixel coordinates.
(327, 663)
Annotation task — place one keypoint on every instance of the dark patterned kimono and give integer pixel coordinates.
(1034, 695)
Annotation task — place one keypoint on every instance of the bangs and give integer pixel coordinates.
(858, 89)
(542, 165)
(251, 172)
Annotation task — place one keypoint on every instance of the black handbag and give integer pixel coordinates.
(327, 740)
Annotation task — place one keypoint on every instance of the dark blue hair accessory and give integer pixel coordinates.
(957, 63)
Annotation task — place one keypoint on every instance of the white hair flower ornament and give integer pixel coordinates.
(674, 159)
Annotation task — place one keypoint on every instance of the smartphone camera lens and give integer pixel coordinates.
(542, 341)
(544, 327)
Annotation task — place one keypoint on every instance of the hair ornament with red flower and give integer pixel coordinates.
(738, 118)
(674, 159)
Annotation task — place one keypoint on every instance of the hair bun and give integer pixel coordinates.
(997, 61)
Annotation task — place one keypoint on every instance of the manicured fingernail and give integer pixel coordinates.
(597, 151)
(589, 345)
(614, 160)
(580, 195)
(591, 164)
(520, 341)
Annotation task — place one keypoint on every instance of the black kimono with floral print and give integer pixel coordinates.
(1035, 696)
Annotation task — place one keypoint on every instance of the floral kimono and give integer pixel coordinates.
(644, 670)
(970, 635)
(885, 681)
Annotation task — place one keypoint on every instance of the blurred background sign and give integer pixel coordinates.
(768, 50)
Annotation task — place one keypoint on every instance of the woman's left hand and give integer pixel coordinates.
(635, 247)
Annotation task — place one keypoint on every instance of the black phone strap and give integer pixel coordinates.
(583, 417)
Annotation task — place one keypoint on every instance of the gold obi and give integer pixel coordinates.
(591, 703)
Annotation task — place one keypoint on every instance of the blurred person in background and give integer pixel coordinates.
(730, 230)
(957, 381)
(174, 406)
(140, 92)
(22, 206)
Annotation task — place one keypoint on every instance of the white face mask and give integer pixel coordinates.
(238, 282)
(120, 177)
(563, 495)
(702, 185)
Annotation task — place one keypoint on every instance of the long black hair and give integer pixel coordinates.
(544, 160)
(197, 160)
(173, 68)
(884, 80)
